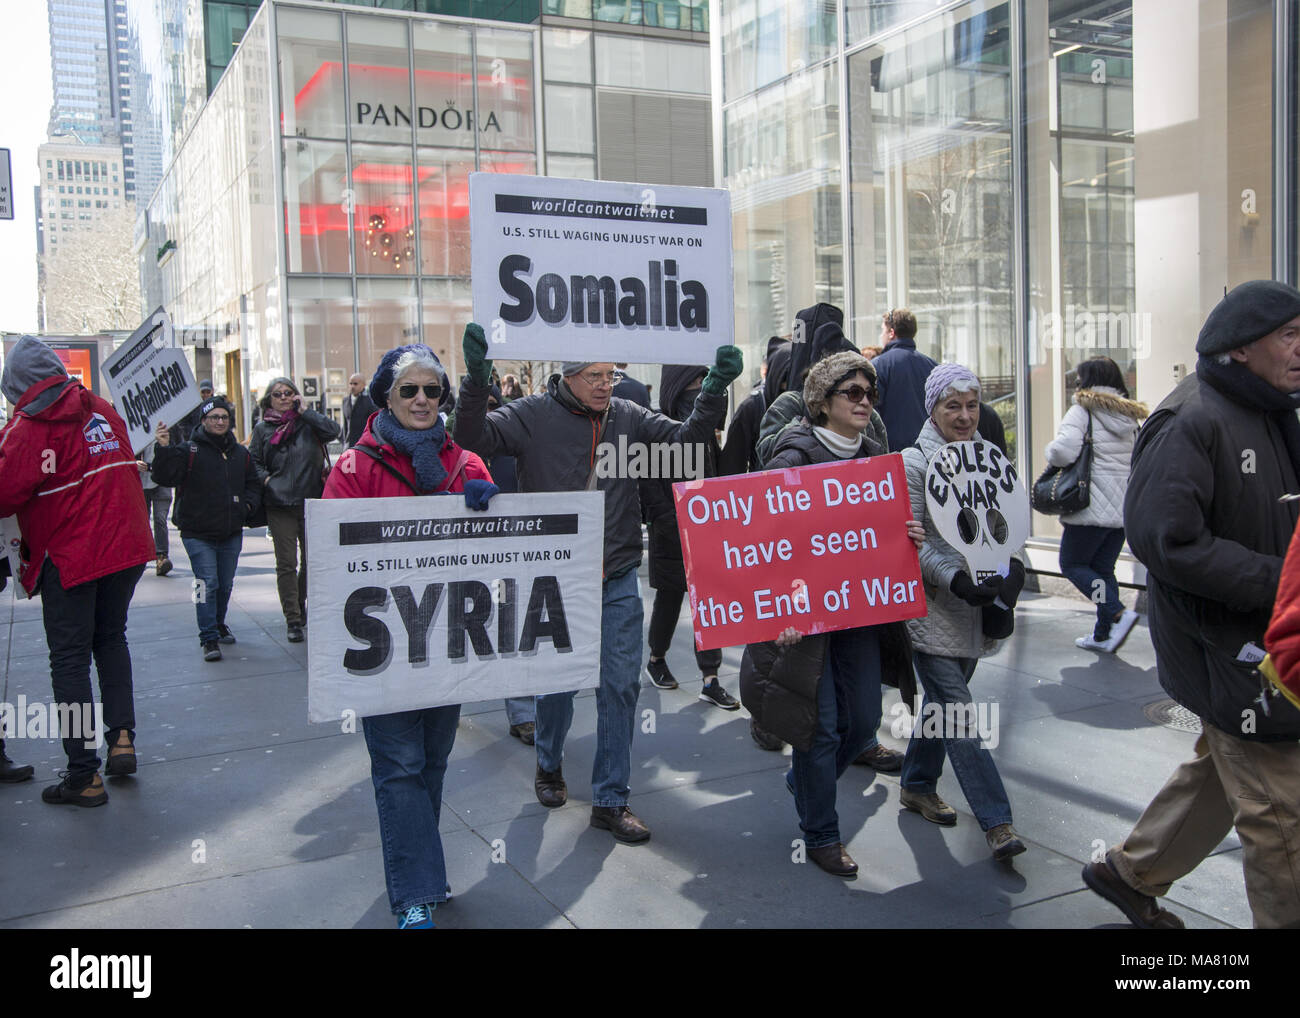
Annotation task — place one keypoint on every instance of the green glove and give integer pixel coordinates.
(475, 346)
(726, 369)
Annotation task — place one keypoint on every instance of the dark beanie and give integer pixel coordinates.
(1249, 312)
(215, 403)
(383, 380)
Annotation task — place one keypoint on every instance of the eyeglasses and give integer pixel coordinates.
(283, 394)
(412, 390)
(856, 393)
(599, 380)
(219, 418)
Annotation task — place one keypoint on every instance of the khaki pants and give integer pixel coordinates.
(1253, 786)
(288, 529)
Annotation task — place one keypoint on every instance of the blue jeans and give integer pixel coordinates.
(848, 714)
(214, 565)
(946, 680)
(520, 710)
(408, 759)
(620, 685)
(1088, 554)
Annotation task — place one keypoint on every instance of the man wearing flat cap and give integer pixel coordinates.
(1203, 515)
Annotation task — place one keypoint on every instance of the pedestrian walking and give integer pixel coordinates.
(902, 370)
(357, 408)
(824, 697)
(405, 451)
(1093, 537)
(158, 502)
(288, 446)
(68, 472)
(217, 490)
(949, 641)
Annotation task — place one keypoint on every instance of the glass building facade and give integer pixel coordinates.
(315, 214)
(1040, 182)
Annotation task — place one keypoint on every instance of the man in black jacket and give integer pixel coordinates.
(217, 490)
(901, 371)
(1203, 513)
(357, 408)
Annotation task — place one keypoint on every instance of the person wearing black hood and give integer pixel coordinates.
(738, 454)
(1206, 512)
(679, 385)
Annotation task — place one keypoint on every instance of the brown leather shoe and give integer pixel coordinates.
(1141, 909)
(550, 787)
(121, 755)
(834, 860)
(525, 733)
(882, 759)
(65, 792)
(620, 822)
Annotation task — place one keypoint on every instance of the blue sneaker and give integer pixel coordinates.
(417, 917)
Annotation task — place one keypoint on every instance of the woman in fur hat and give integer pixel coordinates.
(1093, 537)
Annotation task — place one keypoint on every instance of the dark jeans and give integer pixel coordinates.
(848, 714)
(287, 526)
(214, 564)
(663, 623)
(90, 619)
(1088, 555)
(160, 501)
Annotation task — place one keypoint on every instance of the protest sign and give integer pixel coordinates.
(150, 380)
(978, 504)
(819, 548)
(13, 537)
(585, 270)
(421, 602)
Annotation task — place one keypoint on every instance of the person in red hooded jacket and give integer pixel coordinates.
(68, 472)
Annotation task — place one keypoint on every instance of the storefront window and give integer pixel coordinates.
(320, 327)
(379, 80)
(505, 90)
(446, 307)
(566, 55)
(383, 214)
(444, 85)
(444, 211)
(311, 73)
(387, 317)
(316, 206)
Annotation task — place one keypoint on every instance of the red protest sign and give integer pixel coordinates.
(819, 548)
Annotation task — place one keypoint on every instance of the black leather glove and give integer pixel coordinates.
(975, 596)
(1012, 584)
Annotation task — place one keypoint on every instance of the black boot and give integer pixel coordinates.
(10, 771)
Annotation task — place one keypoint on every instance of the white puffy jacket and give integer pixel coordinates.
(1114, 430)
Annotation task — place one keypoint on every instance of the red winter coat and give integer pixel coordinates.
(69, 474)
(1283, 637)
(356, 475)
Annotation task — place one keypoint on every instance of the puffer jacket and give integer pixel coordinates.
(293, 467)
(1115, 423)
(557, 444)
(778, 686)
(952, 628)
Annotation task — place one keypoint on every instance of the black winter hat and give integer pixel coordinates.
(215, 403)
(1249, 312)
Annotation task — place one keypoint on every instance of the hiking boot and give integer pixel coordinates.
(714, 693)
(10, 771)
(1003, 841)
(886, 761)
(121, 755)
(834, 860)
(295, 633)
(226, 636)
(929, 806)
(163, 566)
(211, 652)
(550, 788)
(1141, 909)
(658, 673)
(764, 739)
(76, 792)
(417, 917)
(525, 733)
(621, 822)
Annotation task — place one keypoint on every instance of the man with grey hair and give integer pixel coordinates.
(556, 436)
(1205, 514)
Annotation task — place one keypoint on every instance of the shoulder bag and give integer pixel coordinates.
(1061, 491)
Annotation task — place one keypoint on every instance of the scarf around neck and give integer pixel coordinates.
(422, 446)
(844, 448)
(287, 421)
(1241, 385)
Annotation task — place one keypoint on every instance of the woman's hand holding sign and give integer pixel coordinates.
(916, 531)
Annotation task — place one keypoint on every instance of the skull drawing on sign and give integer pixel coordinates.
(979, 506)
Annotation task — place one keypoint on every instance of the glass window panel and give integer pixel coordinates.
(444, 85)
(636, 62)
(379, 80)
(320, 327)
(566, 55)
(1083, 105)
(383, 215)
(387, 317)
(570, 125)
(865, 18)
(505, 90)
(571, 166)
(311, 73)
(444, 211)
(316, 206)
(446, 307)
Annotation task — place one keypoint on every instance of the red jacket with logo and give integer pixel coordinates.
(356, 475)
(69, 474)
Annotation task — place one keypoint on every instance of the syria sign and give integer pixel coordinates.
(591, 270)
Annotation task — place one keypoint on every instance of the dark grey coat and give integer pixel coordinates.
(293, 466)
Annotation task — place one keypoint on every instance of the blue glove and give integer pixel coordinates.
(478, 493)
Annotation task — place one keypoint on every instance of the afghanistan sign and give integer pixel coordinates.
(150, 380)
(978, 504)
(420, 602)
(598, 270)
(819, 548)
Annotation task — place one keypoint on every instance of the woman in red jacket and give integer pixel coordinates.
(405, 450)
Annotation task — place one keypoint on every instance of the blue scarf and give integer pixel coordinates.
(422, 446)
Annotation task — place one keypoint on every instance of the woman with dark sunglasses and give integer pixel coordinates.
(288, 447)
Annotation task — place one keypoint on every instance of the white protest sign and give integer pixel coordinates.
(150, 380)
(978, 504)
(586, 270)
(420, 602)
(13, 539)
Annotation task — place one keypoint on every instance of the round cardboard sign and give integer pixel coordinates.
(978, 503)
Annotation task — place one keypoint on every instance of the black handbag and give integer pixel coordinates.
(1065, 490)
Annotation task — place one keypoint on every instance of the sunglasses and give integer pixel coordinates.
(283, 394)
(856, 393)
(412, 390)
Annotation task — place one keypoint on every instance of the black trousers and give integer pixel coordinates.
(80, 622)
(663, 622)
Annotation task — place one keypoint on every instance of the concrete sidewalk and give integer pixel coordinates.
(244, 815)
